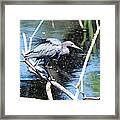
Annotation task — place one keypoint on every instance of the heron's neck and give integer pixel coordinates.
(64, 45)
(64, 50)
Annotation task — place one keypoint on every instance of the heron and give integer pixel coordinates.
(51, 48)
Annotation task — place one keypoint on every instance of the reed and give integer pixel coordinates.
(84, 34)
(90, 29)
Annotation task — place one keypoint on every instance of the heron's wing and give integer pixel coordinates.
(45, 50)
(54, 41)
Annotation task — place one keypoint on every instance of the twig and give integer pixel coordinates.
(80, 22)
(48, 90)
(35, 33)
(30, 65)
(97, 23)
(25, 42)
(80, 81)
(53, 25)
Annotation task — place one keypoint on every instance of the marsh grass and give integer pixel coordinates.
(95, 82)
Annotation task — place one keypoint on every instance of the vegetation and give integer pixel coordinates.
(95, 81)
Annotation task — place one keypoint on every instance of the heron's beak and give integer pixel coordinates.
(74, 46)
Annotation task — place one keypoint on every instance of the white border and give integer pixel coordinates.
(14, 105)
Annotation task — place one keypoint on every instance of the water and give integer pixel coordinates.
(69, 66)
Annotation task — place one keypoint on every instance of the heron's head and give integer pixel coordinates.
(70, 44)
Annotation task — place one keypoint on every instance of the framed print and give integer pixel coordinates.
(59, 59)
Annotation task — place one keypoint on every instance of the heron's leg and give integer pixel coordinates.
(50, 75)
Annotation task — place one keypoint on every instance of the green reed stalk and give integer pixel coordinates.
(84, 34)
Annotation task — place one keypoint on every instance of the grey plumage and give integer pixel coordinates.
(51, 48)
(44, 50)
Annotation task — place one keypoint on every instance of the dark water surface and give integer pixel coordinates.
(70, 66)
